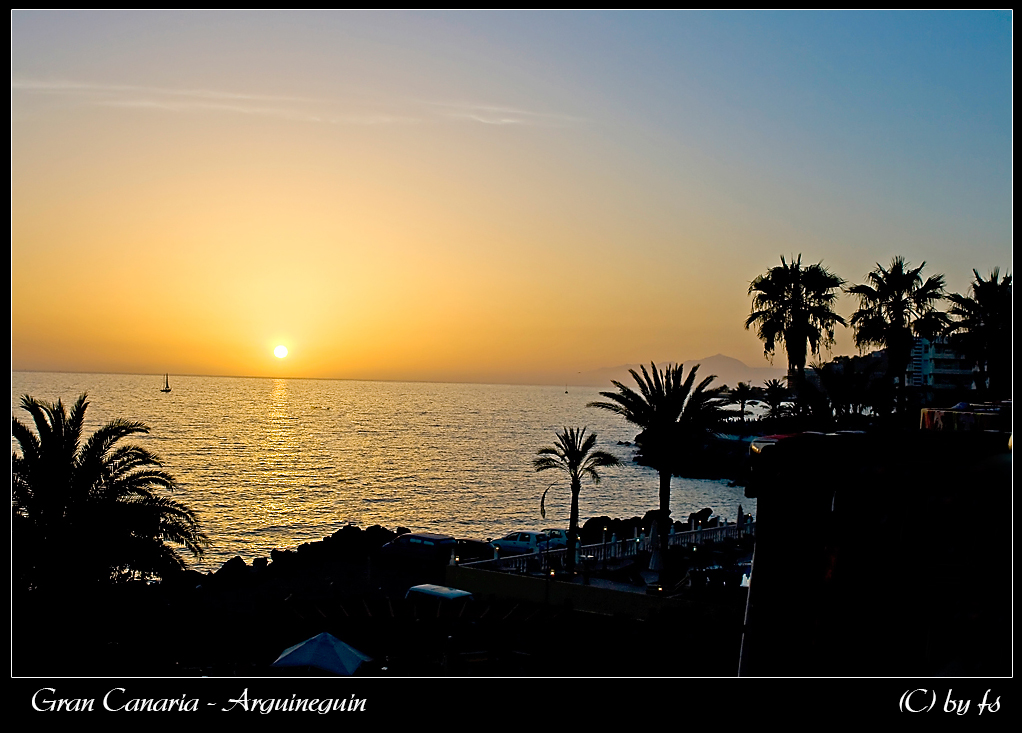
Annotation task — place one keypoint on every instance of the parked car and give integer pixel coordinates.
(420, 546)
(474, 550)
(558, 538)
(521, 543)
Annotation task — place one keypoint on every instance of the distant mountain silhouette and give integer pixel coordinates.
(729, 371)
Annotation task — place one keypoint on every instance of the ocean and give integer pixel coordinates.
(272, 463)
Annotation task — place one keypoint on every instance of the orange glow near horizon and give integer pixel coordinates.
(430, 205)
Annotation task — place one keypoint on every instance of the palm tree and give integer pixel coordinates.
(981, 330)
(844, 387)
(573, 453)
(92, 511)
(775, 394)
(674, 415)
(895, 305)
(794, 305)
(740, 395)
(830, 394)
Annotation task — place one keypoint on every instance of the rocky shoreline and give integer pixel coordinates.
(235, 621)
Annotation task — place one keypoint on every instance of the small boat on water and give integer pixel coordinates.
(166, 383)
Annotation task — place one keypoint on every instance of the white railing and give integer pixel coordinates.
(543, 560)
(712, 534)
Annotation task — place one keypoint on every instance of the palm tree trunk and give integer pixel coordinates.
(576, 488)
(898, 366)
(665, 513)
(665, 492)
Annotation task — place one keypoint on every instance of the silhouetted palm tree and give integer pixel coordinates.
(846, 389)
(895, 305)
(675, 417)
(740, 395)
(794, 305)
(573, 453)
(91, 512)
(775, 394)
(980, 329)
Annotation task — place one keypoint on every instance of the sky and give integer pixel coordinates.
(481, 196)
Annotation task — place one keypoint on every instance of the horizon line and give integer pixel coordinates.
(565, 383)
(322, 379)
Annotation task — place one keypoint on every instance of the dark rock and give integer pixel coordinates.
(282, 558)
(349, 534)
(183, 579)
(592, 532)
(702, 516)
(234, 570)
(377, 536)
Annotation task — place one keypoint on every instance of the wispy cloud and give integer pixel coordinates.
(279, 112)
(298, 109)
(494, 115)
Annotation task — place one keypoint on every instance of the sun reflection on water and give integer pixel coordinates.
(272, 463)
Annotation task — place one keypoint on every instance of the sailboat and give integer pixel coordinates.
(166, 383)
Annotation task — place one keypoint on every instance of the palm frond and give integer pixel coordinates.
(542, 501)
(793, 305)
(574, 454)
(67, 495)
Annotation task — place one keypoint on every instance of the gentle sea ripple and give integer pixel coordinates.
(272, 463)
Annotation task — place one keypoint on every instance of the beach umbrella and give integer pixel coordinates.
(325, 652)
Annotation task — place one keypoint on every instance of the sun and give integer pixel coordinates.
(280, 352)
